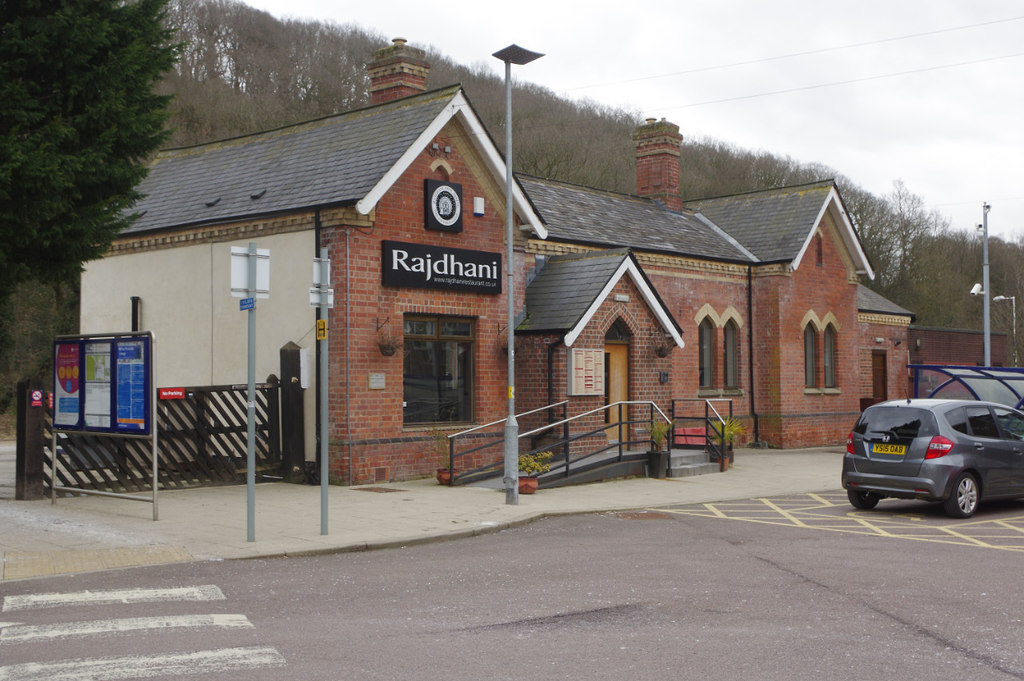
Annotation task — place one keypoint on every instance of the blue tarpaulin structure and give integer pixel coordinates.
(1004, 385)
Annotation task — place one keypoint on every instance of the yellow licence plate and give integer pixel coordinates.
(882, 448)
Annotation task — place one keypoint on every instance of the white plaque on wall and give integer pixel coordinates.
(586, 372)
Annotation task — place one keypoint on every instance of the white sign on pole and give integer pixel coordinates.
(316, 293)
(321, 282)
(240, 272)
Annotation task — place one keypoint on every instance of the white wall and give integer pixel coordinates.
(200, 334)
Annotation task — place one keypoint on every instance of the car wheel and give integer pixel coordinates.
(963, 502)
(862, 500)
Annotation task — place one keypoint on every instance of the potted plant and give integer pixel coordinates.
(657, 457)
(441, 453)
(732, 428)
(530, 466)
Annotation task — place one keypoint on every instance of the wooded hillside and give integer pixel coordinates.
(242, 70)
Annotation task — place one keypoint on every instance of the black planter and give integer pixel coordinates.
(657, 464)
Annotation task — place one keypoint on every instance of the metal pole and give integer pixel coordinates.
(250, 460)
(984, 284)
(511, 478)
(154, 416)
(324, 286)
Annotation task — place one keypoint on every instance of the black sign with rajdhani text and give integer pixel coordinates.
(437, 267)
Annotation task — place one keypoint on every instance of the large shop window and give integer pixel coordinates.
(438, 370)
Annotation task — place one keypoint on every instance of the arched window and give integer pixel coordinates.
(810, 357)
(706, 353)
(730, 355)
(829, 355)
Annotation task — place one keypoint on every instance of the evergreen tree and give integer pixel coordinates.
(78, 119)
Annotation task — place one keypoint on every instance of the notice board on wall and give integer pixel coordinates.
(586, 372)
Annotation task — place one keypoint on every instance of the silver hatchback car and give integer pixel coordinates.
(954, 451)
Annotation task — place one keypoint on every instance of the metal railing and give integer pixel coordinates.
(711, 422)
(558, 437)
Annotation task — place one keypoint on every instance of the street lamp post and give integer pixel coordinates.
(513, 54)
(1013, 321)
(984, 283)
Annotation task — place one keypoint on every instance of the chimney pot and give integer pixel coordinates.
(397, 71)
(657, 161)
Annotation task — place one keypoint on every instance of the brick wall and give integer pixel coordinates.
(955, 346)
(382, 447)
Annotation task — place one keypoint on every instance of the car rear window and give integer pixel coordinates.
(902, 422)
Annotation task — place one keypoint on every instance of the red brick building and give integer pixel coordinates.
(407, 196)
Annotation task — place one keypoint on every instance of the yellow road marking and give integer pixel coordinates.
(809, 511)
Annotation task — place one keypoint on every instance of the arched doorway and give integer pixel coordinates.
(616, 372)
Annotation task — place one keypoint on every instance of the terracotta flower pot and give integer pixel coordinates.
(444, 476)
(528, 484)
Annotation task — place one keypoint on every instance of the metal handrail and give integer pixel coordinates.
(563, 423)
(494, 423)
(594, 411)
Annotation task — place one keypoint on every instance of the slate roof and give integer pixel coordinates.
(565, 288)
(329, 161)
(773, 224)
(597, 217)
(869, 301)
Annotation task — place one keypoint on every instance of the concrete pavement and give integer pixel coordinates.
(89, 533)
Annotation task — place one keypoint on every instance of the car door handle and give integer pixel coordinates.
(979, 446)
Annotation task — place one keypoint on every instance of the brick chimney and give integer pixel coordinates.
(657, 161)
(397, 71)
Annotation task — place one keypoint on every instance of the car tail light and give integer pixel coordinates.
(939, 446)
(849, 443)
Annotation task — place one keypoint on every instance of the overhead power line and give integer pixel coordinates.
(842, 82)
(792, 55)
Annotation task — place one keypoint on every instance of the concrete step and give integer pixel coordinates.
(685, 463)
(691, 469)
(684, 457)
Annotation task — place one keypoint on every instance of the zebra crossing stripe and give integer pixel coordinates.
(206, 592)
(50, 632)
(145, 666)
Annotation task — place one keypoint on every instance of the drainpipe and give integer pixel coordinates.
(348, 355)
(551, 369)
(750, 350)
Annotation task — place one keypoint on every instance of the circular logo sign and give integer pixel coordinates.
(445, 205)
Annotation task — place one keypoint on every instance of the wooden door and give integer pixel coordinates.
(616, 386)
(879, 377)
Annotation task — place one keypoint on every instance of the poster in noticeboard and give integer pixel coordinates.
(104, 384)
(586, 372)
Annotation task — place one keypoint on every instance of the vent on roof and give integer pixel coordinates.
(211, 204)
(257, 195)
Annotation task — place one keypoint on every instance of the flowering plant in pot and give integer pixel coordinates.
(530, 466)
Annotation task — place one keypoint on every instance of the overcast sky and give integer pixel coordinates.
(929, 92)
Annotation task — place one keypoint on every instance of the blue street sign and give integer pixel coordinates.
(247, 304)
